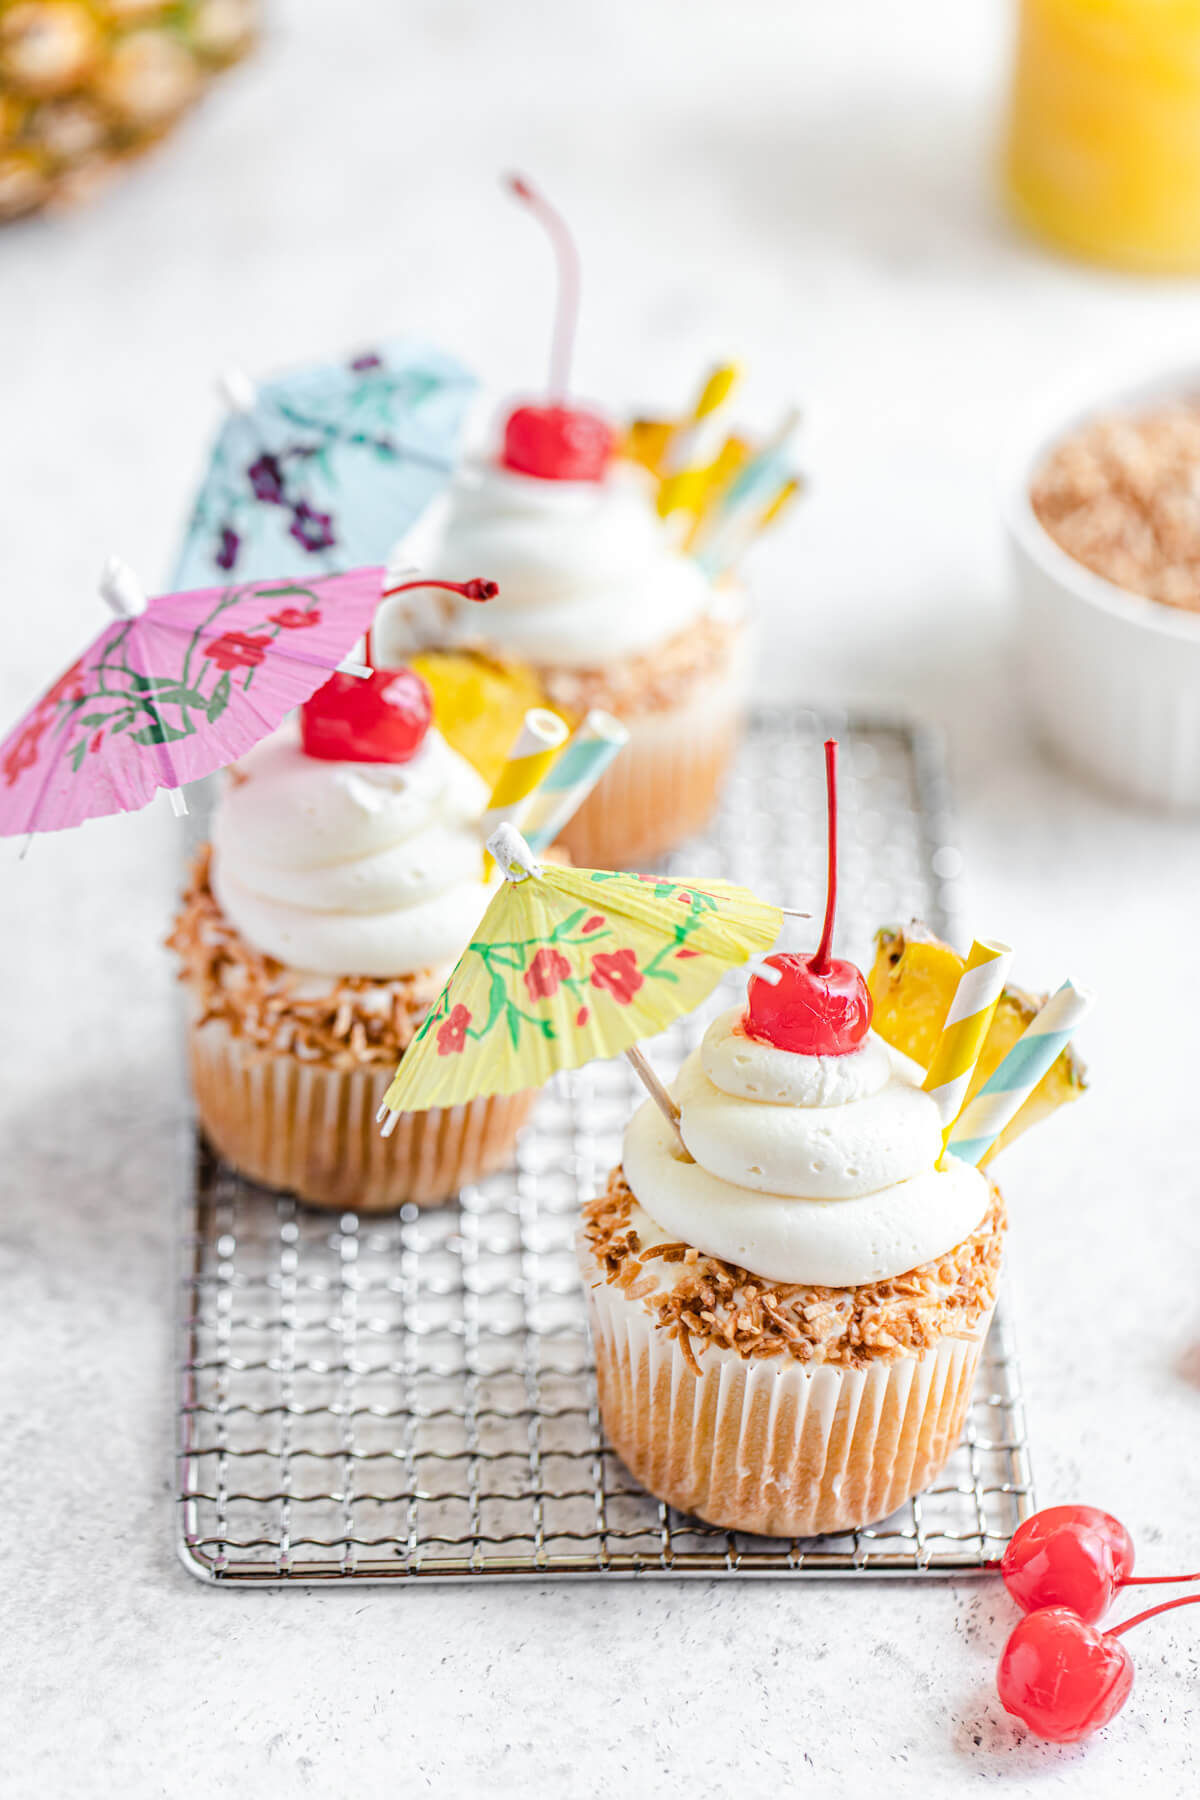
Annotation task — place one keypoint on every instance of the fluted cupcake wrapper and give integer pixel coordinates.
(664, 785)
(769, 1445)
(311, 1129)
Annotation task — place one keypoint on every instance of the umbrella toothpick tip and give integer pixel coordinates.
(237, 390)
(121, 590)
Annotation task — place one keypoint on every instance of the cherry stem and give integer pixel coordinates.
(819, 961)
(1153, 1580)
(469, 590)
(566, 312)
(1152, 1612)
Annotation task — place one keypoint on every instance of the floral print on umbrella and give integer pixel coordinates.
(181, 688)
(568, 958)
(329, 467)
(154, 709)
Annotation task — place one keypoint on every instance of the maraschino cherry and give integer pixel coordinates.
(1064, 1678)
(1074, 1556)
(557, 442)
(380, 718)
(820, 1005)
(1061, 1676)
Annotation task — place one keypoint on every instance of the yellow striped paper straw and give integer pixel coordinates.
(539, 741)
(572, 776)
(1014, 1078)
(695, 444)
(711, 485)
(975, 998)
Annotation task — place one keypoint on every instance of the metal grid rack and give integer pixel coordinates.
(412, 1397)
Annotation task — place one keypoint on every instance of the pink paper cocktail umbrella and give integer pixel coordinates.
(173, 689)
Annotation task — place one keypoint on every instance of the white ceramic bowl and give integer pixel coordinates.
(1113, 678)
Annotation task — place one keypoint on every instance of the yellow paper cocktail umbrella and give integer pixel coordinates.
(571, 965)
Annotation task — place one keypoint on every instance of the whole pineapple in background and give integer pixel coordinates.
(912, 985)
(86, 83)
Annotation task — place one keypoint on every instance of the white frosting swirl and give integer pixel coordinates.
(586, 570)
(339, 868)
(809, 1169)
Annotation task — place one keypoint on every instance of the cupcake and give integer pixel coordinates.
(343, 878)
(600, 602)
(787, 1309)
(607, 614)
(789, 1277)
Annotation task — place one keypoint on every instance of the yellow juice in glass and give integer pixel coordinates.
(1103, 152)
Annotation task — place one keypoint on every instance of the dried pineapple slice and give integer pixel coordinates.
(912, 984)
(479, 703)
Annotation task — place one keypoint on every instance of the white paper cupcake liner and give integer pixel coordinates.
(311, 1130)
(769, 1445)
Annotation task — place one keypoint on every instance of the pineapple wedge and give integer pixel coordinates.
(479, 703)
(912, 984)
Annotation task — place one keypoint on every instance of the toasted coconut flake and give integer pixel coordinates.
(660, 678)
(718, 1303)
(347, 1027)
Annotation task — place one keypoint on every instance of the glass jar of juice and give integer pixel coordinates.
(1103, 151)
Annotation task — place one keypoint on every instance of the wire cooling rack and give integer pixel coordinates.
(412, 1398)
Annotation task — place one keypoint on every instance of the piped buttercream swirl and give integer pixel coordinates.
(808, 1169)
(587, 572)
(340, 868)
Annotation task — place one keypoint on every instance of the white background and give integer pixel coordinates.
(809, 187)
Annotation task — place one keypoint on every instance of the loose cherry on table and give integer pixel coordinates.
(820, 1004)
(380, 718)
(557, 442)
(1061, 1676)
(1064, 1678)
(1058, 1673)
(1075, 1556)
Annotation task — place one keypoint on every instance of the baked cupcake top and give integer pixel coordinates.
(811, 1169)
(366, 869)
(588, 574)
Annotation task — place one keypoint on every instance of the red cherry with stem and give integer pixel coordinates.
(1064, 1678)
(557, 442)
(1061, 1676)
(1074, 1556)
(382, 718)
(820, 1006)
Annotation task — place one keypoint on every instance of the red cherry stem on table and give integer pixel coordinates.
(566, 313)
(820, 960)
(1152, 1612)
(468, 590)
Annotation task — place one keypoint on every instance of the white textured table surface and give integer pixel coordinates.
(807, 186)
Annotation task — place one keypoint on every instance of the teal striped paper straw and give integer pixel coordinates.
(572, 776)
(1013, 1079)
(748, 492)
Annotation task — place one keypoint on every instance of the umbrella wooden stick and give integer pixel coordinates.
(668, 1107)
